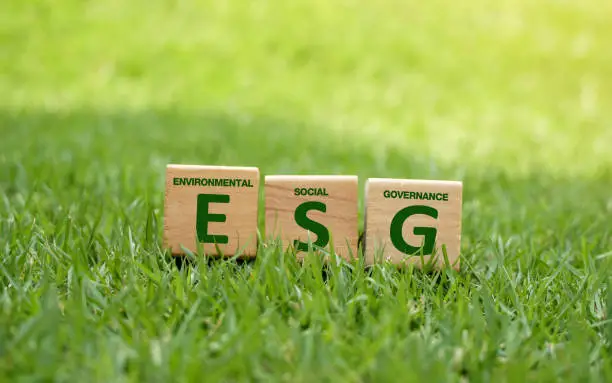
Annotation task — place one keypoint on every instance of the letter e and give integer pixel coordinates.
(204, 217)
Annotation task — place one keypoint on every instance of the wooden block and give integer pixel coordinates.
(407, 217)
(215, 206)
(317, 206)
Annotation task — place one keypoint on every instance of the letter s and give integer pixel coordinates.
(313, 226)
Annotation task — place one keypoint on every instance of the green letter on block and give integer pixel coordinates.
(204, 217)
(308, 224)
(429, 233)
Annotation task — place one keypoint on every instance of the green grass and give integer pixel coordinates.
(511, 98)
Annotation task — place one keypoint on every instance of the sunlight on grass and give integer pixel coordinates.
(510, 97)
(516, 85)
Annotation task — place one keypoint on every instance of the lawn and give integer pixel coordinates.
(512, 98)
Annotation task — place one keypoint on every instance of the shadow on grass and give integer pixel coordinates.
(535, 214)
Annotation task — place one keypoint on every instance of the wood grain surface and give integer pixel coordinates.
(241, 184)
(339, 217)
(385, 198)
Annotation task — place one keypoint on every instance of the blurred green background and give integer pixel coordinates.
(312, 86)
(511, 97)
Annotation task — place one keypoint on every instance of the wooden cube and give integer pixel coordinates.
(214, 206)
(315, 210)
(409, 218)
